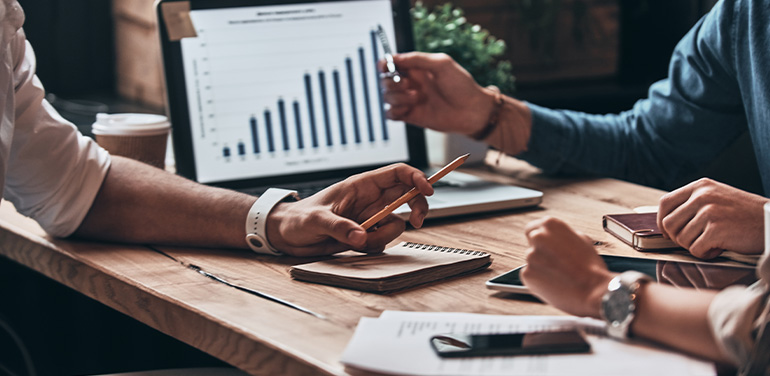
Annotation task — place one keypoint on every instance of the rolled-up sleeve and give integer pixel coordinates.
(739, 318)
(53, 172)
(684, 123)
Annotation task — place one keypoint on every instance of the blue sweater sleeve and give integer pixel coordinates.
(686, 121)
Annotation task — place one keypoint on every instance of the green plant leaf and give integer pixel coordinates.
(445, 29)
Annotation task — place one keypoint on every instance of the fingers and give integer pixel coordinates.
(326, 222)
(388, 85)
(381, 65)
(393, 181)
(398, 113)
(387, 230)
(559, 244)
(338, 228)
(531, 226)
(402, 174)
(687, 214)
(679, 219)
(419, 206)
(685, 226)
(699, 237)
(422, 60)
(537, 228)
(562, 269)
(400, 98)
(669, 202)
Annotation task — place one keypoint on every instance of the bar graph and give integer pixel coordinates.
(364, 81)
(269, 130)
(325, 106)
(254, 134)
(298, 125)
(311, 110)
(291, 88)
(373, 36)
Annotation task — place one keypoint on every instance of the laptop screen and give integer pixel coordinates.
(283, 92)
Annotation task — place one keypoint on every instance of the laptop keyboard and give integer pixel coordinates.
(311, 188)
(304, 190)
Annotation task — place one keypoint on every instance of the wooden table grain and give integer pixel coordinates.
(153, 284)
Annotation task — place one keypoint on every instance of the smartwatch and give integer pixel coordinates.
(256, 236)
(619, 302)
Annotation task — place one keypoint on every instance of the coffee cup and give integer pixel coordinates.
(142, 137)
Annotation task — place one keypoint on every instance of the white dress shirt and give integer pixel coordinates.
(48, 170)
(739, 318)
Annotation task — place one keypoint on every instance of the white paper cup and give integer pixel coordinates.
(142, 137)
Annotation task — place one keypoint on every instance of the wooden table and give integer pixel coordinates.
(263, 337)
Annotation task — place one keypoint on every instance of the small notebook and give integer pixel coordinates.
(398, 267)
(639, 230)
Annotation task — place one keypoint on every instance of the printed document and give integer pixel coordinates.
(398, 343)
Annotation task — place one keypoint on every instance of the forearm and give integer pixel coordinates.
(141, 204)
(512, 128)
(569, 142)
(677, 318)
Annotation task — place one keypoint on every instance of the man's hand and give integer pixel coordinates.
(437, 93)
(708, 217)
(563, 269)
(328, 222)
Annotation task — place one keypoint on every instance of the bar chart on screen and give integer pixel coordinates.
(289, 88)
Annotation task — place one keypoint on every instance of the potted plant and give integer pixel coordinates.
(445, 29)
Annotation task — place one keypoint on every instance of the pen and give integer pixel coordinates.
(389, 64)
(412, 193)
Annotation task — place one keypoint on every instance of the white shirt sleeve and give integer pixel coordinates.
(738, 315)
(53, 172)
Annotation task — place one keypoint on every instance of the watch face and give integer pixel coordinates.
(618, 305)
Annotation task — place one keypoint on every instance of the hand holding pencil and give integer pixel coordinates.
(329, 221)
(412, 193)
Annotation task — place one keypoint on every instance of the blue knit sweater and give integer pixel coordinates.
(718, 85)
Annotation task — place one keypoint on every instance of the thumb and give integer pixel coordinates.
(343, 230)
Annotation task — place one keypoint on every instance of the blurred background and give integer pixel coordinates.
(597, 56)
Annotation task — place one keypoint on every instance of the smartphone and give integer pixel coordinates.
(467, 345)
(677, 273)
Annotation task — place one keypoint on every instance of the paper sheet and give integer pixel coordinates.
(398, 343)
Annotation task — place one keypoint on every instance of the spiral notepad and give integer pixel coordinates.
(398, 267)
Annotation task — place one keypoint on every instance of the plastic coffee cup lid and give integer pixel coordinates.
(129, 124)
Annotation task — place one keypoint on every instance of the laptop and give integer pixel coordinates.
(286, 94)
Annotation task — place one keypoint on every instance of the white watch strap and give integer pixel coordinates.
(256, 236)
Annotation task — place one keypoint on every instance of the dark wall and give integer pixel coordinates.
(649, 32)
(73, 41)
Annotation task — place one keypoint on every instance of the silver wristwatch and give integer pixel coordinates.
(620, 301)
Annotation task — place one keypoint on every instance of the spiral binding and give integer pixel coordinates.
(437, 248)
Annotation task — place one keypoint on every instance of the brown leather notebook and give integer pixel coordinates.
(398, 267)
(639, 230)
